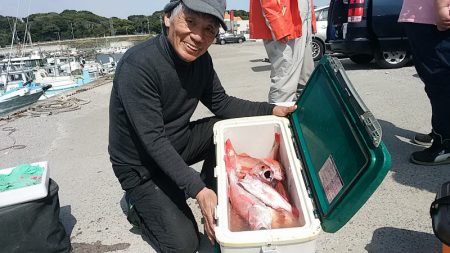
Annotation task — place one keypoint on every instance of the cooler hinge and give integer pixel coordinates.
(310, 194)
(296, 148)
(308, 187)
(373, 127)
(316, 213)
(335, 64)
(215, 136)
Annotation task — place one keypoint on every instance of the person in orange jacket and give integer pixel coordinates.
(286, 27)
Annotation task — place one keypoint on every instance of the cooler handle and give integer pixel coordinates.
(269, 249)
(216, 172)
(216, 217)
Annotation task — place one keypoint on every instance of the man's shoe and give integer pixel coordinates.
(132, 215)
(424, 139)
(437, 154)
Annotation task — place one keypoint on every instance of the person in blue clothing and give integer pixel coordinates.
(427, 25)
(152, 142)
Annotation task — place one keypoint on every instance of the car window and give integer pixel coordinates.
(322, 15)
(317, 13)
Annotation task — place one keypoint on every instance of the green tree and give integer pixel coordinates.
(241, 13)
(76, 24)
(139, 22)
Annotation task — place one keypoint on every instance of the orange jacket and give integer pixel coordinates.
(283, 17)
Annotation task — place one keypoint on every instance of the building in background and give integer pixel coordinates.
(236, 24)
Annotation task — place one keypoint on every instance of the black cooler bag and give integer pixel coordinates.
(440, 213)
(34, 226)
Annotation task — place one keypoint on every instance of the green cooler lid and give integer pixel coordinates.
(339, 142)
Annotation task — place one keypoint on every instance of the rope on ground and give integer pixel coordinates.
(10, 131)
(55, 106)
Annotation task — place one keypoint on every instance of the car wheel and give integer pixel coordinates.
(391, 59)
(317, 48)
(361, 58)
(222, 42)
(240, 40)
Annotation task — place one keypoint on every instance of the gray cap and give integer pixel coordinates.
(213, 7)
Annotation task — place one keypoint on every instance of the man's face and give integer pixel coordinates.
(191, 34)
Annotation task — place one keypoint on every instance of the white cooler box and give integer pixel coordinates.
(331, 151)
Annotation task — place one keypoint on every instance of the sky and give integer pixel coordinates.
(105, 8)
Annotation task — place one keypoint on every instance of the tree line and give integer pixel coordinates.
(71, 24)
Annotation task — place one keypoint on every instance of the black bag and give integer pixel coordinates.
(34, 226)
(440, 214)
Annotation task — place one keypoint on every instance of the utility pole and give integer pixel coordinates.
(148, 26)
(111, 25)
(71, 26)
(161, 23)
(232, 20)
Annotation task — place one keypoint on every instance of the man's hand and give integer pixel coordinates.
(443, 15)
(283, 111)
(207, 200)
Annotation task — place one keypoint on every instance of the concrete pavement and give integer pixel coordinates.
(395, 219)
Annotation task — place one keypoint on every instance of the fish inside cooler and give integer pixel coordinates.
(257, 191)
(255, 138)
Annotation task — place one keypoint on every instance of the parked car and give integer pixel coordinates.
(368, 29)
(224, 38)
(319, 38)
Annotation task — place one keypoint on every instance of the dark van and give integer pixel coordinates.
(368, 29)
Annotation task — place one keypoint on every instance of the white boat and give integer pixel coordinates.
(31, 61)
(59, 83)
(18, 90)
(19, 98)
(67, 64)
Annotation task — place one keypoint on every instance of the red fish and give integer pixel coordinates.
(266, 169)
(279, 187)
(236, 223)
(248, 207)
(285, 219)
(265, 193)
(275, 151)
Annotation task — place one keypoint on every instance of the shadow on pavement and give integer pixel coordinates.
(400, 146)
(261, 68)
(346, 63)
(260, 60)
(67, 219)
(123, 204)
(349, 65)
(204, 247)
(395, 240)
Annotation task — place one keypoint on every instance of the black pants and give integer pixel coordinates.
(160, 207)
(431, 52)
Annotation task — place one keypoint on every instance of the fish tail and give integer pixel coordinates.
(230, 156)
(295, 211)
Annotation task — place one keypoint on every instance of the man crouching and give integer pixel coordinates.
(152, 141)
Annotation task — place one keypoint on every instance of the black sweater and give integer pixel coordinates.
(153, 97)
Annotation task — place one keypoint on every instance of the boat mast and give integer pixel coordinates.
(27, 33)
(12, 43)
